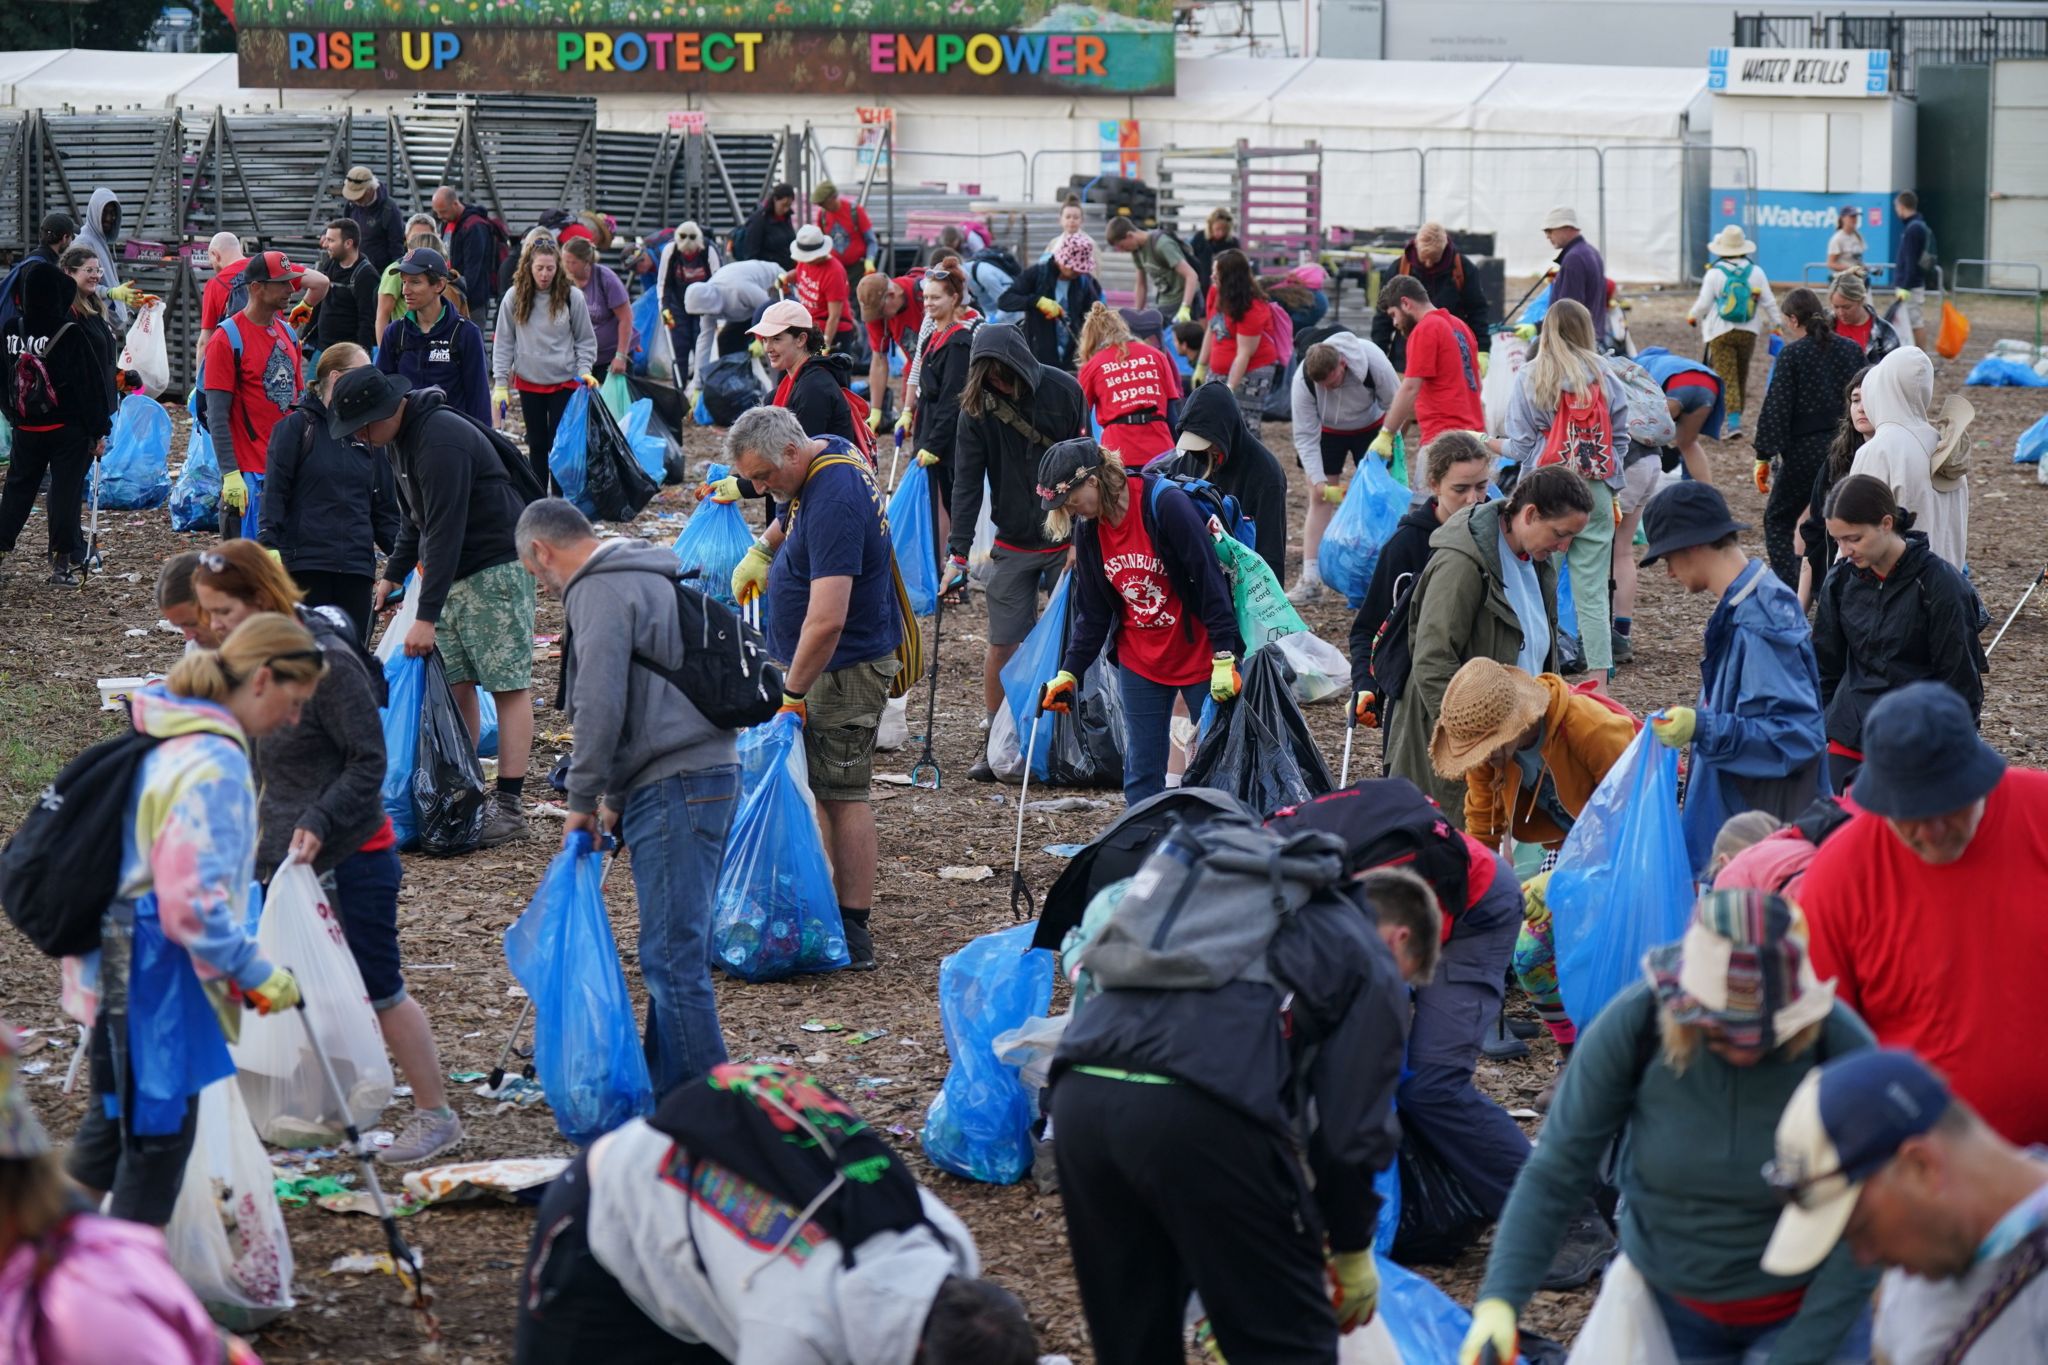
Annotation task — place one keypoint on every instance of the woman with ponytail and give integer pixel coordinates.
(1133, 390)
(176, 962)
(1802, 411)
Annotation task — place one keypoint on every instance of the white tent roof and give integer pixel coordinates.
(1605, 102)
(1339, 93)
(17, 66)
(87, 79)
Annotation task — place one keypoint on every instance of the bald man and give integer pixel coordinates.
(224, 252)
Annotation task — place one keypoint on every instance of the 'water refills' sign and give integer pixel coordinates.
(1858, 73)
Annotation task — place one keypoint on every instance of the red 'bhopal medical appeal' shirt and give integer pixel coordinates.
(1153, 642)
(848, 229)
(1443, 355)
(820, 284)
(1140, 380)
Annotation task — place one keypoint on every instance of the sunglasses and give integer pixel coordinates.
(1792, 1185)
(213, 561)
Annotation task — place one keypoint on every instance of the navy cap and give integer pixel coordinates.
(1062, 468)
(424, 260)
(1684, 515)
(1922, 755)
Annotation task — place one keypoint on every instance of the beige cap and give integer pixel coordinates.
(1561, 217)
(360, 183)
(785, 315)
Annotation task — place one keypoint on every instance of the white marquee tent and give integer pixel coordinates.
(1504, 141)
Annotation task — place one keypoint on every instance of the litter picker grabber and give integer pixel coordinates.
(1019, 892)
(929, 760)
(1350, 734)
(1508, 318)
(93, 561)
(405, 1266)
(497, 1077)
(2016, 611)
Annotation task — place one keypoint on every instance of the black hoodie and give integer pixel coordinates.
(81, 369)
(1873, 635)
(328, 505)
(818, 397)
(1052, 339)
(1400, 563)
(1239, 464)
(987, 446)
(460, 505)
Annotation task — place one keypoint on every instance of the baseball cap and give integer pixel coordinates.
(1063, 466)
(1844, 1122)
(358, 184)
(1193, 440)
(363, 396)
(1922, 755)
(1684, 515)
(785, 316)
(424, 260)
(273, 267)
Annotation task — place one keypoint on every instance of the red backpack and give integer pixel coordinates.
(1581, 434)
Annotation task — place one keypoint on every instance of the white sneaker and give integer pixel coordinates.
(1305, 592)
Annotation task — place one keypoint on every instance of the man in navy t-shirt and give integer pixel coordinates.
(833, 620)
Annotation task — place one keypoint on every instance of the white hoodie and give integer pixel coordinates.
(732, 1292)
(1897, 395)
(1357, 403)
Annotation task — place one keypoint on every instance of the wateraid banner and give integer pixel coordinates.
(863, 47)
(1792, 227)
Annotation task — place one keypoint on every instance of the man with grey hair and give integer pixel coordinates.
(834, 622)
(646, 762)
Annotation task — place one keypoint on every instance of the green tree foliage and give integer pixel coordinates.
(112, 25)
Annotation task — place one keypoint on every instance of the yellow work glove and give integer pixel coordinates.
(502, 398)
(1186, 313)
(279, 991)
(123, 293)
(1383, 444)
(1526, 331)
(756, 349)
(1058, 695)
(750, 577)
(1355, 1282)
(1904, 296)
(726, 489)
(1049, 308)
(589, 381)
(903, 424)
(1364, 709)
(233, 491)
(868, 265)
(1493, 1324)
(1536, 901)
(926, 458)
(1201, 375)
(1674, 725)
(1483, 358)
(668, 318)
(1333, 492)
(1223, 677)
(1763, 476)
(875, 420)
(793, 702)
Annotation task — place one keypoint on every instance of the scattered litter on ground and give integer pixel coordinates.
(502, 1179)
(822, 1026)
(294, 1191)
(867, 1036)
(1062, 805)
(966, 874)
(371, 1263)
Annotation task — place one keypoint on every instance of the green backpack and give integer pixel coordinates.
(1738, 300)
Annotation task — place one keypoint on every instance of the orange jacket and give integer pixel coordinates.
(1581, 740)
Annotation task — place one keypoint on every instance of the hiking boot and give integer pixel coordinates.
(1306, 592)
(860, 945)
(1587, 1248)
(1501, 1045)
(1525, 1029)
(505, 823)
(1624, 650)
(64, 574)
(981, 771)
(425, 1135)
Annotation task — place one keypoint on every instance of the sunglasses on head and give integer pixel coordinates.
(213, 561)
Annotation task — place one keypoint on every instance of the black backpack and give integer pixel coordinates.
(999, 258)
(1393, 654)
(332, 629)
(518, 472)
(62, 868)
(1388, 822)
(726, 672)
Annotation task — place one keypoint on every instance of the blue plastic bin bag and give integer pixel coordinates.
(487, 730)
(775, 912)
(135, 471)
(650, 448)
(914, 539)
(2033, 441)
(1372, 507)
(1623, 882)
(2000, 372)
(586, 1045)
(1031, 668)
(195, 497)
(713, 541)
(1387, 1185)
(1423, 1320)
(646, 317)
(979, 1124)
(405, 682)
(572, 440)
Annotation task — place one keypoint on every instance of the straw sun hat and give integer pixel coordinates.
(1487, 706)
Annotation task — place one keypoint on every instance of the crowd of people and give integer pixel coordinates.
(1818, 1086)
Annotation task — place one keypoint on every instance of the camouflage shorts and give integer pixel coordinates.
(486, 629)
(845, 708)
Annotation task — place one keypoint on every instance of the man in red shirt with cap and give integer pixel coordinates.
(254, 376)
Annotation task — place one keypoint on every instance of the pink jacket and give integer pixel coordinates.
(110, 1297)
(1776, 864)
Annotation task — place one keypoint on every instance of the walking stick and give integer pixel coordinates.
(1019, 892)
(931, 702)
(2016, 611)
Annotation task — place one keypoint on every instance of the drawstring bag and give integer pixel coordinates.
(586, 1047)
(979, 1125)
(713, 542)
(913, 538)
(775, 912)
(135, 471)
(1371, 509)
(226, 1238)
(280, 1077)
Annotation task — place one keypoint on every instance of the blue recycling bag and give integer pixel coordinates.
(979, 1124)
(1031, 668)
(2033, 441)
(1623, 882)
(586, 1044)
(1372, 507)
(487, 727)
(646, 317)
(650, 448)
(713, 541)
(405, 682)
(775, 912)
(135, 471)
(914, 539)
(195, 498)
(572, 440)
(1423, 1320)
(1999, 372)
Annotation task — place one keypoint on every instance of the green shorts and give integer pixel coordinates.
(844, 708)
(485, 633)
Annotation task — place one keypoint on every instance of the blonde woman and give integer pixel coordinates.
(546, 346)
(1132, 389)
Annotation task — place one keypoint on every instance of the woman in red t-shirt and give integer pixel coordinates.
(1146, 579)
(1132, 389)
(818, 281)
(1239, 344)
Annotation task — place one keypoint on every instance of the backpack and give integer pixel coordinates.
(1392, 655)
(1210, 501)
(1119, 851)
(1389, 822)
(31, 392)
(501, 242)
(726, 672)
(62, 868)
(518, 472)
(332, 629)
(1737, 302)
(1581, 435)
(910, 640)
(1649, 417)
(730, 388)
(999, 258)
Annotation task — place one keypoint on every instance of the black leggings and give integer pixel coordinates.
(65, 454)
(543, 413)
(349, 591)
(1790, 496)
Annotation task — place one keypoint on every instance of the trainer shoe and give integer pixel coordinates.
(505, 823)
(981, 771)
(426, 1135)
(1588, 1247)
(64, 574)
(1624, 649)
(1306, 592)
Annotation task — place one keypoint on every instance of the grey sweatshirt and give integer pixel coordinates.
(1357, 403)
(632, 726)
(549, 347)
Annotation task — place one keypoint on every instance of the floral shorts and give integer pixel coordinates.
(485, 633)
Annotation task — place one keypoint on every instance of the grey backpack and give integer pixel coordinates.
(1203, 909)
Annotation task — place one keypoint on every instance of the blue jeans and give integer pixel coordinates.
(676, 830)
(1148, 726)
(1702, 1341)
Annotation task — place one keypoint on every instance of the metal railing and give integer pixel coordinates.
(2029, 271)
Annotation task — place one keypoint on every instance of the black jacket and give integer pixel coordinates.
(1237, 1045)
(1180, 537)
(1452, 283)
(939, 381)
(1239, 464)
(764, 237)
(349, 312)
(80, 360)
(326, 773)
(1052, 339)
(381, 233)
(818, 397)
(1874, 635)
(328, 505)
(989, 447)
(1807, 399)
(1202, 254)
(1400, 563)
(460, 505)
(473, 253)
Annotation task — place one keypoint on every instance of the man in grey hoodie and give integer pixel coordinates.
(646, 762)
(1339, 397)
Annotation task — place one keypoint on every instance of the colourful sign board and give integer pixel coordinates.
(1792, 227)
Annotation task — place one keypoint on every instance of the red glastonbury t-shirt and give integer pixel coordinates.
(1154, 641)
